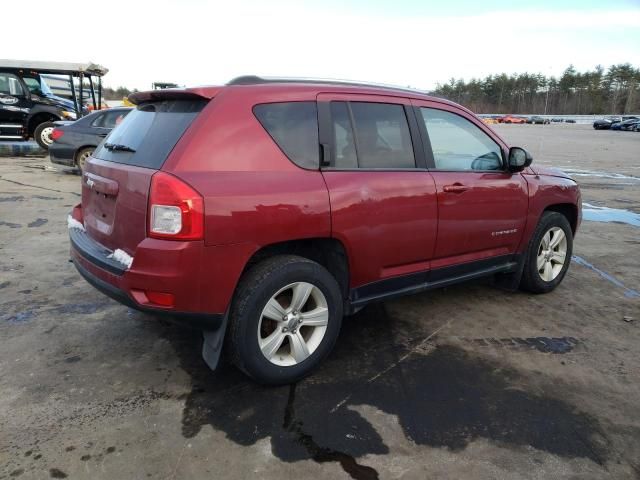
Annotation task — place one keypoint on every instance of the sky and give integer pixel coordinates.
(417, 43)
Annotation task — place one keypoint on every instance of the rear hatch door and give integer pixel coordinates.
(116, 180)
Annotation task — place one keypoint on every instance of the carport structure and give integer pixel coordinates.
(91, 71)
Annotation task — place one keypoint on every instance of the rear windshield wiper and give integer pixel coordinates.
(118, 148)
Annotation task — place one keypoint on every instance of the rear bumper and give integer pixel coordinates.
(62, 155)
(127, 286)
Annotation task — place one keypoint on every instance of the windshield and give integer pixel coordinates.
(37, 86)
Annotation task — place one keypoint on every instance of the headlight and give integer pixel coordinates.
(69, 115)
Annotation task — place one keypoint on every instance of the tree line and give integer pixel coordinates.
(116, 93)
(615, 90)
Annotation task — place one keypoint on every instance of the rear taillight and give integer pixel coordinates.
(56, 134)
(176, 211)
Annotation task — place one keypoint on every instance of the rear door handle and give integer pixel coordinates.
(455, 188)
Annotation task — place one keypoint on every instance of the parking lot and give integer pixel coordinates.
(465, 382)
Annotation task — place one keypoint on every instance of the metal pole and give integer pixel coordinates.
(93, 93)
(100, 92)
(73, 93)
(81, 77)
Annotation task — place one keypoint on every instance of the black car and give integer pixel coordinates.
(74, 142)
(630, 125)
(605, 123)
(538, 120)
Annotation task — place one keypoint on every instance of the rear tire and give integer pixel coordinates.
(277, 336)
(82, 156)
(42, 134)
(549, 254)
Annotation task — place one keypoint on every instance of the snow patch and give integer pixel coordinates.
(73, 223)
(122, 257)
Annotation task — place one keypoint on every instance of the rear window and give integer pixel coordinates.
(294, 127)
(146, 136)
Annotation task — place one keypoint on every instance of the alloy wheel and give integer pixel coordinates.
(293, 323)
(552, 254)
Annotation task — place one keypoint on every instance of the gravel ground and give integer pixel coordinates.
(464, 382)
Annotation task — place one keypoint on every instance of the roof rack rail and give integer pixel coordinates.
(256, 80)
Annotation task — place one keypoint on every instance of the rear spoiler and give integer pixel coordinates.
(199, 93)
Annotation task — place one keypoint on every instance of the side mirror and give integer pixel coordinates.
(519, 159)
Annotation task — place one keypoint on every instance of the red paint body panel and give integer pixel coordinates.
(387, 221)
(391, 223)
(485, 220)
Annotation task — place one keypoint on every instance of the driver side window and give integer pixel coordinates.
(458, 144)
(10, 85)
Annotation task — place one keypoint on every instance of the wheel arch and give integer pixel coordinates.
(39, 118)
(328, 252)
(569, 210)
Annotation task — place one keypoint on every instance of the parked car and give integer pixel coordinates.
(605, 123)
(629, 125)
(569, 120)
(513, 119)
(624, 124)
(264, 210)
(74, 142)
(537, 120)
(488, 120)
(556, 120)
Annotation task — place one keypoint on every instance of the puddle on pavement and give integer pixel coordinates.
(447, 398)
(576, 172)
(628, 292)
(596, 213)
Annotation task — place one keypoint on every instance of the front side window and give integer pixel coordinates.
(381, 140)
(10, 85)
(294, 127)
(458, 144)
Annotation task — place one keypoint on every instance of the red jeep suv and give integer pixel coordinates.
(264, 210)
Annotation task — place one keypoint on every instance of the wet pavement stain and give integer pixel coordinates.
(9, 224)
(628, 292)
(21, 317)
(556, 345)
(4, 284)
(446, 398)
(17, 198)
(57, 473)
(44, 197)
(322, 454)
(38, 223)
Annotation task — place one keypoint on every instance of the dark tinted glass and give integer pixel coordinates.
(294, 127)
(110, 119)
(152, 130)
(344, 147)
(383, 137)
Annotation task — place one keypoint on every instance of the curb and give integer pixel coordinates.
(21, 149)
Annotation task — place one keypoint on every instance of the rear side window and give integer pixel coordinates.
(110, 119)
(294, 127)
(382, 138)
(146, 136)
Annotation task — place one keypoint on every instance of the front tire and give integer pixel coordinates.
(42, 134)
(285, 318)
(548, 255)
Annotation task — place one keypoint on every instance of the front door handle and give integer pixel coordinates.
(455, 188)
